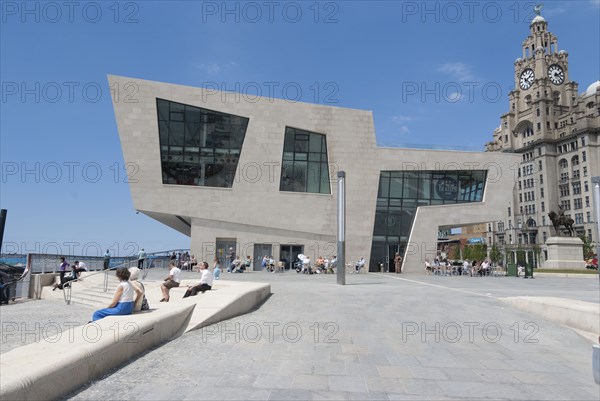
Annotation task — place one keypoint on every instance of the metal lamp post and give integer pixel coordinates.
(341, 228)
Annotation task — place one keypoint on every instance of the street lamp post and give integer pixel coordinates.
(341, 228)
(596, 183)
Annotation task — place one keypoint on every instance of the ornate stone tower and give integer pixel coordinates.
(542, 91)
(555, 129)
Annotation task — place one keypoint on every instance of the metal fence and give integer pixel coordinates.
(37, 263)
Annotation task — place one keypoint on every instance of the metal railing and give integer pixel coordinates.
(37, 263)
(153, 260)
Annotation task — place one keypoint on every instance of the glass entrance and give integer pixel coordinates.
(223, 246)
(260, 250)
(289, 254)
(391, 255)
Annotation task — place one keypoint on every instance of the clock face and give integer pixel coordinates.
(556, 74)
(526, 80)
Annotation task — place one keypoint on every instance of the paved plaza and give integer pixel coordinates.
(380, 337)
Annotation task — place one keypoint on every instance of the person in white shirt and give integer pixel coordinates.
(333, 264)
(172, 280)
(484, 268)
(206, 282)
(466, 268)
(235, 265)
(79, 267)
(306, 265)
(124, 300)
(359, 265)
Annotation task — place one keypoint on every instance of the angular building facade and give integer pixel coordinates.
(554, 129)
(259, 175)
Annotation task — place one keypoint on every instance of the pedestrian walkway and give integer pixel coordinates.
(380, 337)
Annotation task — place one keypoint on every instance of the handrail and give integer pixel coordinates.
(66, 296)
(67, 293)
(106, 280)
(68, 290)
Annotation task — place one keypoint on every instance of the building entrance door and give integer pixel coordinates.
(392, 249)
(260, 250)
(223, 246)
(289, 254)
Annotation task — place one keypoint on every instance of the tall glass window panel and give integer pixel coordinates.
(305, 165)
(199, 146)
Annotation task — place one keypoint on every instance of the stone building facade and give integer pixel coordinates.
(554, 128)
(259, 176)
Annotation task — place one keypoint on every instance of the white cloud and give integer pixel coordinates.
(550, 12)
(211, 68)
(595, 3)
(454, 97)
(458, 71)
(401, 118)
(214, 67)
(404, 130)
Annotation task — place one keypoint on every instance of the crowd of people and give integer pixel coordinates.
(303, 265)
(446, 267)
(184, 261)
(65, 276)
(129, 295)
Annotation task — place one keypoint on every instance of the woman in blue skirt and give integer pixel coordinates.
(124, 300)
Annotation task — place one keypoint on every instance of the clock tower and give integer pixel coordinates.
(542, 91)
(556, 131)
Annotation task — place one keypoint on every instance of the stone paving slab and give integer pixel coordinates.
(376, 338)
(31, 321)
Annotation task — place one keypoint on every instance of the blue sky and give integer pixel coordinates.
(432, 73)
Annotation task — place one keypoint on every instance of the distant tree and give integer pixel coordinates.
(475, 252)
(467, 252)
(537, 250)
(480, 251)
(588, 248)
(520, 255)
(495, 254)
(454, 252)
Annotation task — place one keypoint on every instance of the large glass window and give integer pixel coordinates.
(198, 146)
(401, 192)
(304, 167)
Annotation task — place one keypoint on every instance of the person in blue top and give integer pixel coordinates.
(141, 258)
(217, 268)
(106, 260)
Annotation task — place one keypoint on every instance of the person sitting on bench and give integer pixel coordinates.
(360, 264)
(206, 282)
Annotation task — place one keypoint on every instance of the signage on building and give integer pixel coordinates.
(443, 234)
(447, 188)
(476, 241)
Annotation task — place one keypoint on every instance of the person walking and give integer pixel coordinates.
(217, 268)
(141, 257)
(398, 263)
(106, 260)
(64, 265)
(230, 258)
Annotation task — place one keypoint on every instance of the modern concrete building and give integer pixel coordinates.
(259, 175)
(554, 129)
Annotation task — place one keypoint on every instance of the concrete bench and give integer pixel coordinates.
(37, 371)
